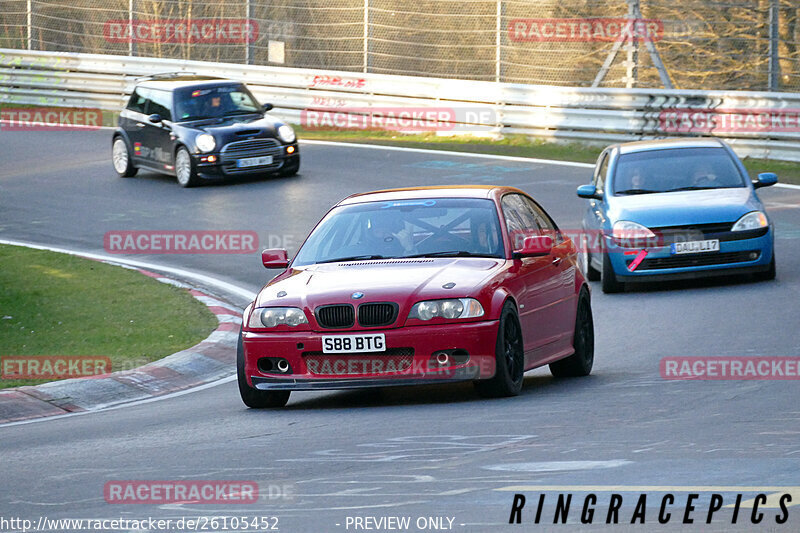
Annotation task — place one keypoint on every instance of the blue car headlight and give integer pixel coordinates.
(752, 220)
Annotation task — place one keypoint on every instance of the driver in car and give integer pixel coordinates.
(388, 236)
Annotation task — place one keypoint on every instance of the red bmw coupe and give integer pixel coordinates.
(421, 285)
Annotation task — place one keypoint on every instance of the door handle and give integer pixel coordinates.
(557, 260)
(140, 125)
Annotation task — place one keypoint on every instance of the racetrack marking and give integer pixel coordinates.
(652, 488)
(225, 286)
(773, 500)
(461, 154)
(558, 466)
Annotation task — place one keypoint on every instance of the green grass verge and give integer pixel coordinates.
(58, 304)
(519, 146)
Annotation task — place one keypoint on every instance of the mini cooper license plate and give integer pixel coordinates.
(695, 247)
(254, 161)
(353, 343)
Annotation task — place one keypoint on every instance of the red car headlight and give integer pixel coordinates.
(450, 309)
(270, 317)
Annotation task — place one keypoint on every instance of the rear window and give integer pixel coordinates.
(675, 169)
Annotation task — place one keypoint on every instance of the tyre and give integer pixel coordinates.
(592, 274)
(509, 358)
(769, 273)
(290, 170)
(121, 158)
(580, 363)
(254, 398)
(185, 170)
(608, 279)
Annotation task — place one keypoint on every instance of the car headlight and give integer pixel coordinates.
(270, 317)
(205, 142)
(625, 229)
(286, 134)
(752, 220)
(451, 308)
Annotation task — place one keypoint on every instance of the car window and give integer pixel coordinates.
(543, 220)
(193, 103)
(138, 100)
(602, 172)
(404, 228)
(521, 220)
(160, 103)
(675, 169)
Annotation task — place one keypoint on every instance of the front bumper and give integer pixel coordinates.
(741, 256)
(224, 167)
(408, 359)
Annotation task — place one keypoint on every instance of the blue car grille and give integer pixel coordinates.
(251, 148)
(696, 260)
(722, 231)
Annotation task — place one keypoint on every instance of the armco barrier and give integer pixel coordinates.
(575, 114)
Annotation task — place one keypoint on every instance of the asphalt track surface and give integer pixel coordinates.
(431, 451)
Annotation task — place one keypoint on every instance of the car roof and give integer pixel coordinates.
(666, 144)
(441, 191)
(180, 82)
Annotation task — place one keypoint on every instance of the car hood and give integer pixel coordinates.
(684, 207)
(403, 281)
(238, 126)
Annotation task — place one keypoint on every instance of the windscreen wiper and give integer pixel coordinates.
(354, 258)
(693, 188)
(451, 253)
(637, 191)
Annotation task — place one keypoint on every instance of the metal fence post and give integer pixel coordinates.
(29, 13)
(366, 36)
(774, 42)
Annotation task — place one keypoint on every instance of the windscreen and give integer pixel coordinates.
(214, 102)
(441, 227)
(678, 169)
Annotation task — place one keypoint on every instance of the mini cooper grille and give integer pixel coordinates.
(380, 314)
(391, 361)
(251, 148)
(335, 316)
(693, 260)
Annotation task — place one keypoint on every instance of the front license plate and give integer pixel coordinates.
(353, 343)
(254, 161)
(695, 247)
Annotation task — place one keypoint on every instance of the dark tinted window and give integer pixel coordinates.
(138, 101)
(213, 102)
(160, 103)
(674, 170)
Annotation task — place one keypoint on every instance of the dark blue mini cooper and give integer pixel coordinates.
(197, 127)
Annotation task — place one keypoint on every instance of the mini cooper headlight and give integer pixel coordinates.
(270, 317)
(451, 308)
(205, 142)
(286, 134)
(752, 220)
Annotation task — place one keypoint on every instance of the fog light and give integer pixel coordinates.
(212, 159)
(290, 149)
(753, 255)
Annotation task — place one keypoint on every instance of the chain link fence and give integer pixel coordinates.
(686, 44)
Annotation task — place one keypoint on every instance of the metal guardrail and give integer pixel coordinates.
(572, 114)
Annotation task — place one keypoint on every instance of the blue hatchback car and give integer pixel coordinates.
(674, 209)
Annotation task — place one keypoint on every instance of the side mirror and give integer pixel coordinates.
(155, 118)
(765, 179)
(535, 246)
(589, 192)
(268, 107)
(275, 258)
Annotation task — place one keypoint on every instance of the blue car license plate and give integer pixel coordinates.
(694, 247)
